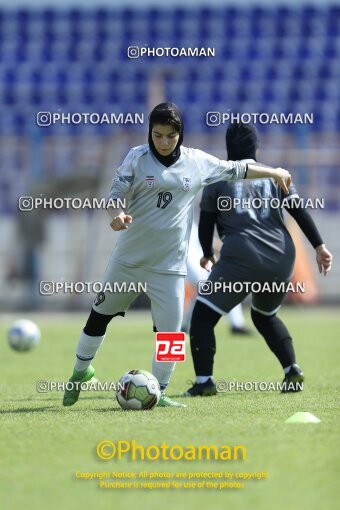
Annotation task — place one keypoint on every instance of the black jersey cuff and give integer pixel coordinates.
(246, 172)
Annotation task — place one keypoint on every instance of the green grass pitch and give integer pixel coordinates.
(44, 444)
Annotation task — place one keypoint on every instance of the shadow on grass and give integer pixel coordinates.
(55, 409)
(56, 399)
(22, 410)
(112, 410)
(220, 394)
(180, 395)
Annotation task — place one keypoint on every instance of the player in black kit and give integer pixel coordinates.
(257, 247)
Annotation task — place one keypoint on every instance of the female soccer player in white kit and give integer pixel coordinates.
(159, 180)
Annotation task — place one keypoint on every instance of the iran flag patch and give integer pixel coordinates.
(150, 181)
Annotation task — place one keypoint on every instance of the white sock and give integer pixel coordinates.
(162, 370)
(235, 317)
(86, 350)
(200, 379)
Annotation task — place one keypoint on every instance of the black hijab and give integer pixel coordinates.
(242, 141)
(168, 114)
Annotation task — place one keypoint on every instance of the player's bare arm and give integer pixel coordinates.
(207, 262)
(324, 259)
(120, 220)
(281, 176)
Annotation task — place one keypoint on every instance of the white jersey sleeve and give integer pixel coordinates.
(212, 169)
(125, 174)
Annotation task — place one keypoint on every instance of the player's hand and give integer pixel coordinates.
(207, 263)
(324, 259)
(283, 179)
(121, 221)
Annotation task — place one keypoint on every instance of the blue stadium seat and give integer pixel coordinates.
(279, 57)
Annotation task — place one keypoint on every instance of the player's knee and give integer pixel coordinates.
(261, 320)
(97, 323)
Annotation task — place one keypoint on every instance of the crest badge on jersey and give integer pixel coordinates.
(150, 181)
(186, 184)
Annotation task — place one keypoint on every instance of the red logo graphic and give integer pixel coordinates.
(170, 346)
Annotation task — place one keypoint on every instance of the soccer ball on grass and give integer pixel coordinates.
(138, 390)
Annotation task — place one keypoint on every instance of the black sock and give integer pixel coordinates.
(276, 335)
(202, 338)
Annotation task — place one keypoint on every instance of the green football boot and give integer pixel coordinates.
(165, 401)
(71, 394)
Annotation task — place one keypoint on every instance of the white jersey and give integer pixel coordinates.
(160, 201)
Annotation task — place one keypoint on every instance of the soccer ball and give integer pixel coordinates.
(138, 390)
(23, 335)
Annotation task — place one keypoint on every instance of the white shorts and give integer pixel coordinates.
(166, 293)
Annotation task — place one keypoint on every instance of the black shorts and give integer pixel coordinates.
(227, 286)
